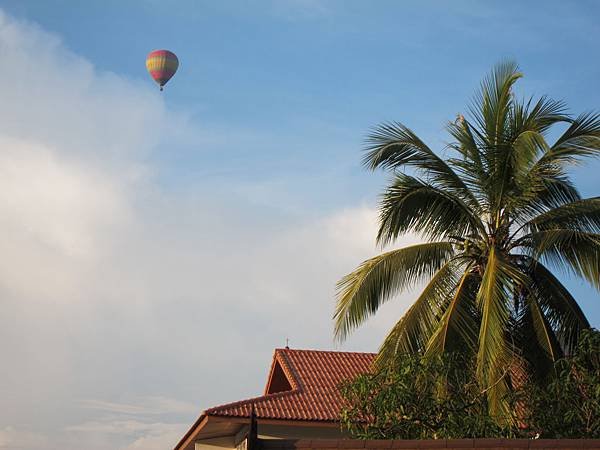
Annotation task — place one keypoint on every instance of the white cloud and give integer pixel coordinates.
(144, 406)
(13, 439)
(143, 435)
(58, 204)
(58, 98)
(159, 440)
(142, 300)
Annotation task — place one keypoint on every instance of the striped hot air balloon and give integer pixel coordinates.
(162, 65)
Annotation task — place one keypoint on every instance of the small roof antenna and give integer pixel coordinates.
(287, 343)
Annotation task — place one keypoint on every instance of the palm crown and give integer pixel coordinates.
(495, 216)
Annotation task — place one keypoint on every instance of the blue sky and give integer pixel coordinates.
(155, 223)
(322, 72)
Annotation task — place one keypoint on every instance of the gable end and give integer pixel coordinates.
(278, 382)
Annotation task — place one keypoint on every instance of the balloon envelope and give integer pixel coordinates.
(162, 65)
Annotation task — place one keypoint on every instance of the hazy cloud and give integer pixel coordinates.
(128, 305)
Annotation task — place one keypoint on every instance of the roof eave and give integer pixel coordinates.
(192, 432)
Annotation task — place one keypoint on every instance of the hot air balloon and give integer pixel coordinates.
(162, 65)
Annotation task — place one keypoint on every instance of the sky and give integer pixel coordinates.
(158, 246)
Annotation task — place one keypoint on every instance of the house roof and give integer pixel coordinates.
(314, 377)
(302, 386)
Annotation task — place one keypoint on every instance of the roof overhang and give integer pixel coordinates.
(211, 427)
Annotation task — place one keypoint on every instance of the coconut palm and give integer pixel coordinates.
(495, 215)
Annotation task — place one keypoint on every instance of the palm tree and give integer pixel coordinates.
(494, 215)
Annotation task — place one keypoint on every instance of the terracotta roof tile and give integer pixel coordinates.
(314, 376)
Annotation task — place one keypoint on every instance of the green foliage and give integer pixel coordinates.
(421, 397)
(498, 213)
(418, 398)
(568, 404)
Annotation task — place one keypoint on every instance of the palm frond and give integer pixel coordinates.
(458, 326)
(582, 215)
(491, 107)
(410, 204)
(362, 292)
(573, 251)
(523, 144)
(543, 331)
(512, 176)
(544, 113)
(495, 354)
(535, 339)
(580, 140)
(525, 150)
(469, 166)
(542, 189)
(393, 145)
(467, 143)
(412, 332)
(557, 304)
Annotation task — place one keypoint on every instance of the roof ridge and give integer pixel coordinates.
(323, 351)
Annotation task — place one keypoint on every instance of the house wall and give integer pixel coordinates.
(266, 431)
(220, 443)
(270, 431)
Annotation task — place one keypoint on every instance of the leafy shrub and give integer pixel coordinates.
(567, 405)
(433, 398)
